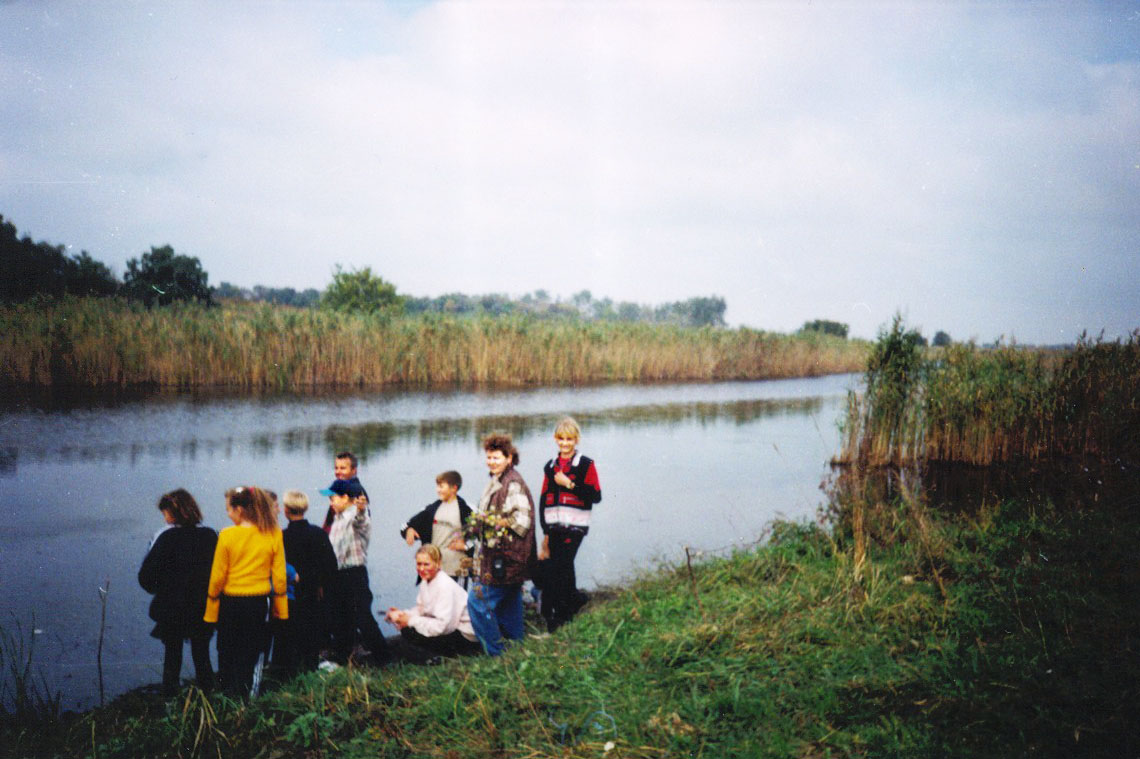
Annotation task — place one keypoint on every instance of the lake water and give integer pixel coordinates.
(707, 466)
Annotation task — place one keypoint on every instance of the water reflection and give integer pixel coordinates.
(369, 439)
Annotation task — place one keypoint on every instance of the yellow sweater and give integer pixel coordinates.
(244, 561)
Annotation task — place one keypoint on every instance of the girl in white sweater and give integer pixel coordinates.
(438, 623)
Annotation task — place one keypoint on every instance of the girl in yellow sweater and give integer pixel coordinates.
(247, 578)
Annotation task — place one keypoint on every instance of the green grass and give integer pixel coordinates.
(1012, 631)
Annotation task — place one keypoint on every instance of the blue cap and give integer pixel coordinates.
(350, 488)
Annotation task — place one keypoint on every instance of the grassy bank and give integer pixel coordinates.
(982, 407)
(1009, 632)
(102, 343)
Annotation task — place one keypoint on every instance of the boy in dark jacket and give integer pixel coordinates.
(310, 554)
(441, 524)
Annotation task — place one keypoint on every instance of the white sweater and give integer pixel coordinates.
(441, 607)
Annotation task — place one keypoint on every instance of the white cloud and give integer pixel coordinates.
(937, 158)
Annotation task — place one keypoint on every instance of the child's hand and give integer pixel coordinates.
(544, 549)
(563, 480)
(411, 536)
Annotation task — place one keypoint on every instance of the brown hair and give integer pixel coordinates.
(255, 505)
(347, 455)
(501, 441)
(182, 507)
(452, 478)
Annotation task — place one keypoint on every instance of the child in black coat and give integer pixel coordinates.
(176, 571)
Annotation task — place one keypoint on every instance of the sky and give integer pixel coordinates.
(974, 167)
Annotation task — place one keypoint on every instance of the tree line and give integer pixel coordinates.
(161, 276)
(38, 269)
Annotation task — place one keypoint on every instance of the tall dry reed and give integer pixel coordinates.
(968, 405)
(97, 343)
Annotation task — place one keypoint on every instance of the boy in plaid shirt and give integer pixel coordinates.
(352, 602)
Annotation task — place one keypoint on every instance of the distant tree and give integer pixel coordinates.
(603, 310)
(162, 277)
(286, 296)
(583, 301)
(361, 290)
(941, 339)
(86, 276)
(496, 304)
(232, 292)
(705, 312)
(629, 312)
(30, 268)
(826, 327)
(699, 312)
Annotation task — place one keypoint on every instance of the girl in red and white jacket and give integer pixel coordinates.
(570, 489)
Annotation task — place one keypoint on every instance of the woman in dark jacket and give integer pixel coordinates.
(176, 571)
(503, 531)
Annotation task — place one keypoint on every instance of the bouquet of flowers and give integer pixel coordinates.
(489, 527)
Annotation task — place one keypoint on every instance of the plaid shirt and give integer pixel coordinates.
(350, 532)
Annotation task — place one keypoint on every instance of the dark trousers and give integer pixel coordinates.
(560, 599)
(199, 652)
(300, 638)
(353, 614)
(419, 648)
(242, 637)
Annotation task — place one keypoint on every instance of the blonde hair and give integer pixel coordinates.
(431, 551)
(295, 502)
(567, 427)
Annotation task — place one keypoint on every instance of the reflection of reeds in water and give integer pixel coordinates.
(372, 437)
(984, 407)
(98, 343)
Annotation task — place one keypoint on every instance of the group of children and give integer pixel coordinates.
(304, 591)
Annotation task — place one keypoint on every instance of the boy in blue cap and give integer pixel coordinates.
(349, 534)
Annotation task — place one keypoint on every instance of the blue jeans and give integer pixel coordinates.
(496, 614)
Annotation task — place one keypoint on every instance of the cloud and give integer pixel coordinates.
(935, 158)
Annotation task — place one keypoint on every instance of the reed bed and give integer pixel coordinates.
(109, 343)
(981, 407)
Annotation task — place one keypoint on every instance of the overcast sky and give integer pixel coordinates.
(974, 166)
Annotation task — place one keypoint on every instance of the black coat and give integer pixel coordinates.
(308, 549)
(176, 571)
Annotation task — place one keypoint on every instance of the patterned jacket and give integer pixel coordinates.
(507, 558)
